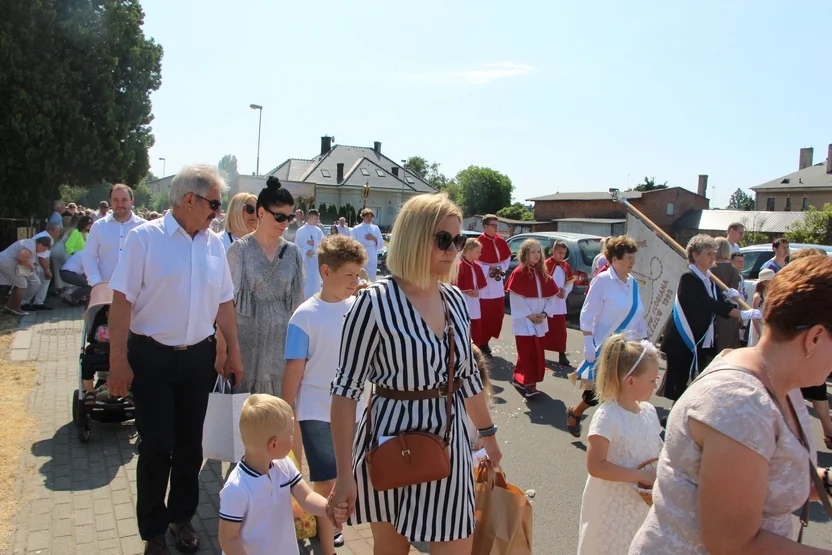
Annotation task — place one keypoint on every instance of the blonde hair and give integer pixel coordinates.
(235, 224)
(408, 256)
(471, 244)
(617, 357)
(525, 251)
(482, 366)
(723, 248)
(261, 417)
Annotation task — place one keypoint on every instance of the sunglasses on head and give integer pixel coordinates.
(213, 204)
(444, 240)
(280, 217)
(249, 209)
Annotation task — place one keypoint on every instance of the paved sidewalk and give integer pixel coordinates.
(80, 498)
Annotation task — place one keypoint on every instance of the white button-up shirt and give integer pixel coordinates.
(175, 283)
(609, 300)
(104, 246)
(344, 230)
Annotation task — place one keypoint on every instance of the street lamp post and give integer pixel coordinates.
(404, 169)
(163, 166)
(259, 127)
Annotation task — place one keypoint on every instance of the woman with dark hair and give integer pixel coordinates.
(78, 238)
(267, 272)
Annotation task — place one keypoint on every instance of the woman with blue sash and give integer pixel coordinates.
(612, 306)
(690, 339)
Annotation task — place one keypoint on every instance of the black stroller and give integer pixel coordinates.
(94, 361)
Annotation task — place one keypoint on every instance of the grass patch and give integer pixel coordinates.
(16, 381)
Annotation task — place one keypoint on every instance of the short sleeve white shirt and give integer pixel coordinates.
(314, 334)
(262, 503)
(174, 282)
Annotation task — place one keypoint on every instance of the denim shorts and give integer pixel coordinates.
(318, 449)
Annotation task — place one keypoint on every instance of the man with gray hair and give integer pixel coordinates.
(171, 284)
(57, 215)
(35, 296)
(343, 228)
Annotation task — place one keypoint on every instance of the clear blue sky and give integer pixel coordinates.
(560, 96)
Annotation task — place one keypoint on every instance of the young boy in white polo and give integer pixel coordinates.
(256, 501)
(313, 342)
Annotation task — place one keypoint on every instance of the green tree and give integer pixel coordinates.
(815, 228)
(427, 171)
(228, 168)
(649, 185)
(417, 165)
(142, 196)
(75, 92)
(740, 200)
(159, 202)
(72, 193)
(483, 190)
(516, 212)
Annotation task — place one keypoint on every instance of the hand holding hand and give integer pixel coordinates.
(310, 242)
(471, 293)
(561, 293)
(589, 348)
(346, 492)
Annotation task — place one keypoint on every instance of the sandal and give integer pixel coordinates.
(575, 429)
(186, 539)
(89, 398)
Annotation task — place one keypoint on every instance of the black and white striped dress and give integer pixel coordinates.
(387, 342)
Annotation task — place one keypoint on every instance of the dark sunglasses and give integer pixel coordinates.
(444, 240)
(249, 209)
(213, 204)
(279, 217)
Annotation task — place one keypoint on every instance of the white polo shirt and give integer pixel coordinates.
(175, 283)
(263, 504)
(104, 245)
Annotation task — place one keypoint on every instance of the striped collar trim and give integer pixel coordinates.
(250, 471)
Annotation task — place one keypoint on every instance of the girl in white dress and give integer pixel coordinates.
(624, 433)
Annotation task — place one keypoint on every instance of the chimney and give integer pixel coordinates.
(829, 161)
(395, 171)
(340, 172)
(702, 189)
(377, 147)
(326, 145)
(807, 156)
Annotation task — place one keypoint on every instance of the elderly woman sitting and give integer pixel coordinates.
(17, 268)
(736, 462)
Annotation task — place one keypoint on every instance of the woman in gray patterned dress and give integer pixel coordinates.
(267, 272)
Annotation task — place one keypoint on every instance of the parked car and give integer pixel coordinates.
(757, 255)
(581, 250)
(382, 252)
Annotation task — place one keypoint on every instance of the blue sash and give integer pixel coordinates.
(686, 334)
(587, 369)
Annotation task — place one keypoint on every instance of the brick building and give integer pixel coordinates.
(662, 206)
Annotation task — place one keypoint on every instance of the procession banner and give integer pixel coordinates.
(658, 268)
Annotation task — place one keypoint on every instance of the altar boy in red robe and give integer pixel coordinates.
(471, 280)
(561, 272)
(532, 292)
(494, 262)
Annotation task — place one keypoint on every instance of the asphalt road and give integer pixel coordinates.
(539, 454)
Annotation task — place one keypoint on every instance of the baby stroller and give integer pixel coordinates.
(94, 360)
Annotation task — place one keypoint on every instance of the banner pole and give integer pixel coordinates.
(618, 197)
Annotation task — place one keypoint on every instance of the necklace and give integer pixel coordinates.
(780, 406)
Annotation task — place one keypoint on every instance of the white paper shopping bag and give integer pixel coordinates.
(221, 429)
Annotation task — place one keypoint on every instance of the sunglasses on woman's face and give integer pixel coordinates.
(280, 217)
(444, 240)
(249, 209)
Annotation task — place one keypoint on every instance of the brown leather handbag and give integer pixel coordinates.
(413, 457)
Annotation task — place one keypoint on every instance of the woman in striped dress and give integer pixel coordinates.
(395, 336)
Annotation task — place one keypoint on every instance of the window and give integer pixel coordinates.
(670, 209)
(590, 248)
(379, 172)
(788, 204)
(770, 204)
(365, 172)
(805, 205)
(409, 179)
(325, 173)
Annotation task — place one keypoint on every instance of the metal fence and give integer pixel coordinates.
(15, 229)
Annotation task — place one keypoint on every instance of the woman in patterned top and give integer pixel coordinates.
(735, 465)
(395, 336)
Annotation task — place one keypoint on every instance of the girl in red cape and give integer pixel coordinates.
(561, 272)
(470, 279)
(532, 292)
(495, 259)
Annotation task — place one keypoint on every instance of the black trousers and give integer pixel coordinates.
(678, 369)
(170, 391)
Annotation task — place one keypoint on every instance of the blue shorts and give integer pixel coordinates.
(317, 446)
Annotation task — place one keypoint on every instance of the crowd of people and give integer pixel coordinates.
(339, 367)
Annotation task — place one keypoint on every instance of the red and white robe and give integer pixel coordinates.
(470, 277)
(561, 272)
(531, 291)
(495, 252)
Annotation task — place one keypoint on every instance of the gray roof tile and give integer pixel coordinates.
(812, 177)
(753, 220)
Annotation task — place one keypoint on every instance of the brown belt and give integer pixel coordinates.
(402, 395)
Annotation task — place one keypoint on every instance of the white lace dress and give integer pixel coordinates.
(612, 512)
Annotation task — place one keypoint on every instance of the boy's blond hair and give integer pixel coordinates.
(262, 417)
(471, 244)
(337, 250)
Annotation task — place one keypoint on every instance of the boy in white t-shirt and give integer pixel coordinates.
(312, 348)
(256, 501)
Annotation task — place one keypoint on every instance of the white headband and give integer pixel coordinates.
(646, 346)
